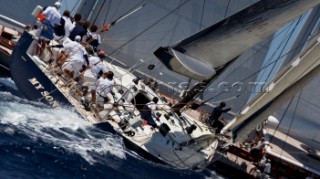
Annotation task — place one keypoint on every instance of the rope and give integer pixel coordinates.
(152, 25)
(225, 13)
(202, 13)
(294, 114)
(105, 19)
(95, 19)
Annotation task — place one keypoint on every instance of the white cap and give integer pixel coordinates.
(78, 38)
(57, 4)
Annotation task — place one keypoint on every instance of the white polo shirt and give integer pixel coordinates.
(52, 15)
(104, 86)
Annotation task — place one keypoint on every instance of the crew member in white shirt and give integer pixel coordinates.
(52, 14)
(92, 74)
(68, 26)
(104, 89)
(77, 58)
(53, 19)
(93, 38)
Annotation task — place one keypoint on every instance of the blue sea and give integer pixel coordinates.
(40, 142)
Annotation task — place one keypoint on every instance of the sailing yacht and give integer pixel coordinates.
(188, 57)
(176, 140)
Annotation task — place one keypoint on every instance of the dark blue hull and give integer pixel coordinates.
(29, 79)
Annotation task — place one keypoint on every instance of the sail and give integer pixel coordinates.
(304, 28)
(158, 23)
(285, 84)
(236, 34)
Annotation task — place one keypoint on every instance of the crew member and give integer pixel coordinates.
(80, 28)
(53, 15)
(215, 120)
(92, 74)
(146, 112)
(68, 26)
(104, 89)
(77, 58)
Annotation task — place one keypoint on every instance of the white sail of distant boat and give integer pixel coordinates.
(277, 51)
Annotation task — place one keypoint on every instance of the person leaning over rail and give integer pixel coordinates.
(104, 90)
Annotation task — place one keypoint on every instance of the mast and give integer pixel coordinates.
(286, 83)
(206, 54)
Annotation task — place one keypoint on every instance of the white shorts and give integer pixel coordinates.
(100, 100)
(74, 66)
(89, 81)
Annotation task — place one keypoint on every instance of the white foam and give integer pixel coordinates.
(59, 127)
(8, 82)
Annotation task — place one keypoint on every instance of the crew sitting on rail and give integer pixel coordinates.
(76, 58)
(146, 112)
(104, 90)
(90, 76)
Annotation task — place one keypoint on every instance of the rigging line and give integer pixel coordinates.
(66, 3)
(202, 13)
(252, 73)
(284, 46)
(269, 64)
(241, 80)
(108, 9)
(263, 46)
(292, 98)
(95, 19)
(225, 14)
(280, 44)
(134, 8)
(293, 118)
(152, 25)
(75, 5)
(282, 117)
